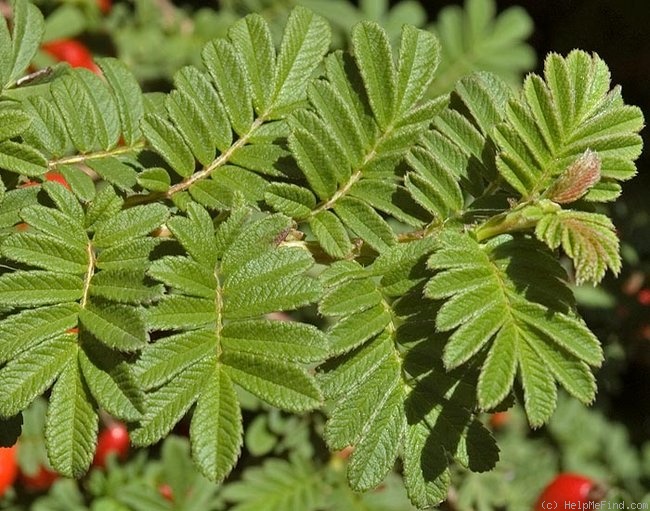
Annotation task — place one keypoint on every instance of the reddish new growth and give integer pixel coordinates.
(577, 179)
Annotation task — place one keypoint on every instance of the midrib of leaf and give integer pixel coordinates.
(88, 277)
(81, 158)
(505, 295)
(221, 160)
(356, 175)
(218, 306)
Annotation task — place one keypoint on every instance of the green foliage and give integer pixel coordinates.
(145, 289)
(526, 321)
(69, 322)
(474, 38)
(19, 44)
(231, 277)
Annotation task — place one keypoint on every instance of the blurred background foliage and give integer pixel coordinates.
(286, 465)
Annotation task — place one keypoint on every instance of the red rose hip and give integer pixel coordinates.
(113, 439)
(71, 51)
(568, 489)
(8, 468)
(40, 481)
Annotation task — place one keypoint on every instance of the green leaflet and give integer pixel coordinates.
(376, 451)
(76, 106)
(227, 71)
(365, 222)
(29, 374)
(390, 198)
(169, 356)
(115, 171)
(155, 179)
(14, 202)
(484, 310)
(27, 328)
(291, 200)
(185, 275)
(118, 326)
(46, 131)
(432, 185)
(72, 423)
(21, 159)
(216, 428)
(418, 59)
(258, 238)
(358, 328)
(373, 53)
(13, 122)
(315, 163)
(331, 234)
(166, 405)
(80, 183)
(169, 143)
(196, 234)
(65, 201)
(46, 253)
(252, 38)
(306, 39)
(186, 114)
(271, 292)
(277, 382)
(351, 297)
(124, 286)
(5, 52)
(19, 49)
(55, 224)
(32, 288)
(104, 206)
(181, 312)
(288, 340)
(111, 381)
(130, 254)
(129, 224)
(127, 95)
(106, 113)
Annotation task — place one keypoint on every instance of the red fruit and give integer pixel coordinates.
(643, 297)
(8, 468)
(113, 439)
(40, 481)
(56, 177)
(49, 176)
(499, 419)
(166, 491)
(568, 490)
(105, 6)
(72, 52)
